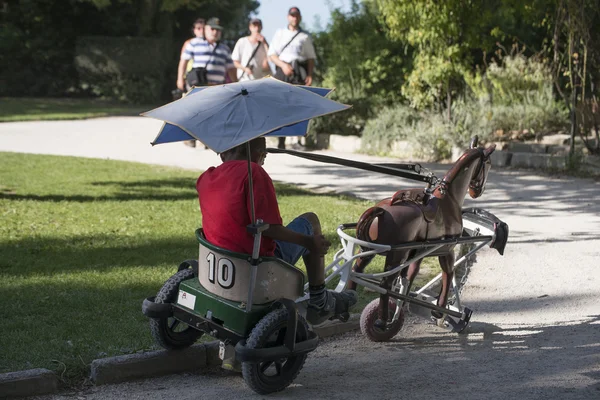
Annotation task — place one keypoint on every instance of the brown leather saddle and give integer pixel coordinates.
(428, 204)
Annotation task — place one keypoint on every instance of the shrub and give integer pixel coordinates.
(427, 133)
(517, 93)
(392, 123)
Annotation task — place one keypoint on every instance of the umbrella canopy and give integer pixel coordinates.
(225, 116)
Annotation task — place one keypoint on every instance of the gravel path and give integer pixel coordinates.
(535, 332)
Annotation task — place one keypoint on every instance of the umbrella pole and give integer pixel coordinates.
(255, 228)
(249, 155)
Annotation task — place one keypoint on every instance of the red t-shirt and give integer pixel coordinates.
(224, 196)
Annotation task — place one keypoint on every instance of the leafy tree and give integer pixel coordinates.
(450, 37)
(38, 37)
(357, 58)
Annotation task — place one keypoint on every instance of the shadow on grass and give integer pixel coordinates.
(153, 190)
(64, 325)
(48, 256)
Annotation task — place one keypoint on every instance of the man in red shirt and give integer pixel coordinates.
(223, 193)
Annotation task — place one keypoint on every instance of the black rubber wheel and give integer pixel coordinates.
(170, 333)
(371, 313)
(273, 376)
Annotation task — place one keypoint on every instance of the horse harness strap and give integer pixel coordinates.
(428, 204)
(480, 169)
(408, 171)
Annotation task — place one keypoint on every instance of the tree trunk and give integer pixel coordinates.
(147, 11)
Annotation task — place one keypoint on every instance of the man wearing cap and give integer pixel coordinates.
(212, 60)
(250, 54)
(293, 52)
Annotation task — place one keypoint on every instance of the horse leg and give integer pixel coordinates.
(359, 266)
(447, 265)
(384, 299)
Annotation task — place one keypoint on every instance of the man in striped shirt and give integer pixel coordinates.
(208, 53)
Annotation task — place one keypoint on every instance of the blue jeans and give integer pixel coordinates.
(290, 252)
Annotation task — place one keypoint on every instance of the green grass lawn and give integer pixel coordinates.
(33, 109)
(84, 241)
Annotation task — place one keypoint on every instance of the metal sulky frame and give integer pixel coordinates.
(480, 228)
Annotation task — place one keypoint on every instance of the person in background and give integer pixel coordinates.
(250, 54)
(293, 53)
(211, 60)
(198, 32)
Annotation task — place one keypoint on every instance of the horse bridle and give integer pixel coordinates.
(480, 170)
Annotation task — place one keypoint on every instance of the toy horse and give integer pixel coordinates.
(415, 215)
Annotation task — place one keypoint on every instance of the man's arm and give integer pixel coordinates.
(180, 73)
(316, 243)
(310, 64)
(285, 67)
(238, 65)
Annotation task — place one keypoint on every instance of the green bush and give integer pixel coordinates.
(517, 94)
(392, 123)
(427, 133)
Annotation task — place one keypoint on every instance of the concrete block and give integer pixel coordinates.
(149, 364)
(212, 354)
(558, 150)
(557, 139)
(540, 161)
(501, 158)
(332, 328)
(346, 144)
(518, 147)
(30, 382)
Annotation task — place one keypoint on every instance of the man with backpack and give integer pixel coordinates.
(293, 53)
(250, 54)
(211, 61)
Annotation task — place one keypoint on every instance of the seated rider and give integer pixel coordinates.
(225, 205)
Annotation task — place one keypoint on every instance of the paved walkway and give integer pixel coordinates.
(536, 327)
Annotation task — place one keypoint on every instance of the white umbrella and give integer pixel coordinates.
(225, 116)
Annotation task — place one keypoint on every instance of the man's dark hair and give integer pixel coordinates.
(256, 144)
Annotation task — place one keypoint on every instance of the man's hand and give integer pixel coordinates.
(308, 80)
(287, 69)
(319, 245)
(180, 84)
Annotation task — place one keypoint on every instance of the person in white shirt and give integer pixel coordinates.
(250, 54)
(293, 53)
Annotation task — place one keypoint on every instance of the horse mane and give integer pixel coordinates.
(466, 159)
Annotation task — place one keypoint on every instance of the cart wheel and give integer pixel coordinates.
(273, 376)
(371, 313)
(170, 333)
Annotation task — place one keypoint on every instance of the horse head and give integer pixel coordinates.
(480, 174)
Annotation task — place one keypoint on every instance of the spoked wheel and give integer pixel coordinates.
(170, 333)
(273, 376)
(371, 313)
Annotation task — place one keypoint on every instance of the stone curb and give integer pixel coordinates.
(30, 382)
(162, 362)
(141, 365)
